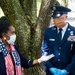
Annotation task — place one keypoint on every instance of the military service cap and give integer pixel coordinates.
(57, 11)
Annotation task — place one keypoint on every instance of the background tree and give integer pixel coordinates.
(29, 27)
(64, 2)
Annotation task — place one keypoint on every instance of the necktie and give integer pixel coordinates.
(60, 34)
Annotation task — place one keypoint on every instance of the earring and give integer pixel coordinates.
(4, 38)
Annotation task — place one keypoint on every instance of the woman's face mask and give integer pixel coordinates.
(12, 39)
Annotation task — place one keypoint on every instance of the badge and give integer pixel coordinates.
(58, 15)
(71, 38)
(71, 33)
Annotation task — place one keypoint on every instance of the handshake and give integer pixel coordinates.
(56, 71)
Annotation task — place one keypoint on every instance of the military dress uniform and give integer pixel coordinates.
(63, 50)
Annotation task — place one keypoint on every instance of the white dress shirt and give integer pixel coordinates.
(63, 30)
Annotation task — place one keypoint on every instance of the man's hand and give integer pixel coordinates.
(45, 58)
(63, 72)
(55, 71)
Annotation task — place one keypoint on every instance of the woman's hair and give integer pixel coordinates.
(4, 25)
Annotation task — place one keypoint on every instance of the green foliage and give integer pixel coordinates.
(39, 0)
(57, 3)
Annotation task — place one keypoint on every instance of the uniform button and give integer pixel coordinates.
(58, 59)
(59, 47)
(58, 53)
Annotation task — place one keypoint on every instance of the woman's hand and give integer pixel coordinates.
(45, 58)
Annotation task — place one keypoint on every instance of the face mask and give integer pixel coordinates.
(12, 39)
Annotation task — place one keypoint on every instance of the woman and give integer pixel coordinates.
(11, 60)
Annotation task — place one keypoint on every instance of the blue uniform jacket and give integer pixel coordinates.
(25, 63)
(64, 51)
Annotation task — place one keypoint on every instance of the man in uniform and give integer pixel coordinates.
(60, 40)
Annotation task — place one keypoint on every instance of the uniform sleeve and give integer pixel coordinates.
(71, 66)
(25, 63)
(45, 49)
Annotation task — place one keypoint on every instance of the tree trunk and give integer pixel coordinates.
(29, 28)
(43, 21)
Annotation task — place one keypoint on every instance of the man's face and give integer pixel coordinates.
(60, 21)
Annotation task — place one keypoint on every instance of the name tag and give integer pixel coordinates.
(51, 39)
